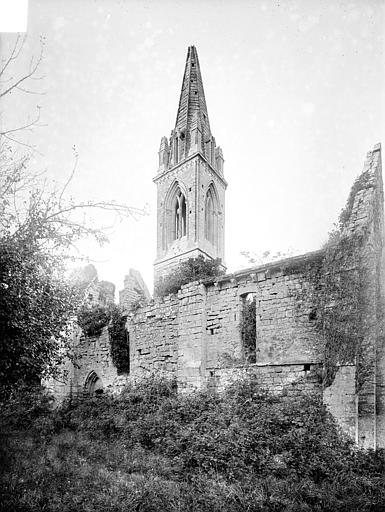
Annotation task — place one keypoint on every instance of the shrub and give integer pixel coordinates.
(153, 449)
(188, 271)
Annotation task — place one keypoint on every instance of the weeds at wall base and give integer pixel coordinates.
(152, 449)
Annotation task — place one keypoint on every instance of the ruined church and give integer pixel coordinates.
(318, 317)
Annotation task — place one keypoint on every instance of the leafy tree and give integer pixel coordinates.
(36, 307)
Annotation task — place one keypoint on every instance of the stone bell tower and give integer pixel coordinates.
(190, 181)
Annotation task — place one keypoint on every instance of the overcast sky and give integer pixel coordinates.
(295, 96)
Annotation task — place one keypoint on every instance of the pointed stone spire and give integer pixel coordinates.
(192, 128)
(192, 97)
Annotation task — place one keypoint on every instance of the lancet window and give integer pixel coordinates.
(210, 217)
(179, 215)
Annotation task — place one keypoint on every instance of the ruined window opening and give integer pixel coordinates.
(306, 367)
(211, 331)
(313, 315)
(248, 327)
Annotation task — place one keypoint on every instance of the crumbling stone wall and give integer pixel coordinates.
(91, 357)
(134, 288)
(153, 337)
(285, 331)
(92, 354)
(288, 378)
(196, 334)
(91, 362)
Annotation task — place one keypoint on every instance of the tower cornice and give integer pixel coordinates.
(188, 159)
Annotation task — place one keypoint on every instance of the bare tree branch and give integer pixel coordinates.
(34, 64)
(29, 125)
(71, 175)
(14, 53)
(25, 144)
(27, 91)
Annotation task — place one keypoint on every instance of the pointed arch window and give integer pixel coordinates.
(179, 215)
(210, 217)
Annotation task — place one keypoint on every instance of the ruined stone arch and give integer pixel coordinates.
(93, 384)
(212, 215)
(175, 214)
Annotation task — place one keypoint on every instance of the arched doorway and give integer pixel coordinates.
(93, 384)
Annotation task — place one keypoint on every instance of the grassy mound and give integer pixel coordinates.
(154, 450)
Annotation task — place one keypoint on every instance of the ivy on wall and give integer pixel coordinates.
(336, 303)
(340, 304)
(363, 182)
(340, 286)
(92, 319)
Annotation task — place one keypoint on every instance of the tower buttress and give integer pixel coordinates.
(190, 182)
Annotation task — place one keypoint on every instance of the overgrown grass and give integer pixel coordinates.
(154, 450)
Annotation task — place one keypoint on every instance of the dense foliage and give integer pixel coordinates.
(152, 449)
(93, 318)
(119, 342)
(188, 271)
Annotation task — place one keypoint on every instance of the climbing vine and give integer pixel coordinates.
(364, 181)
(335, 294)
(341, 311)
